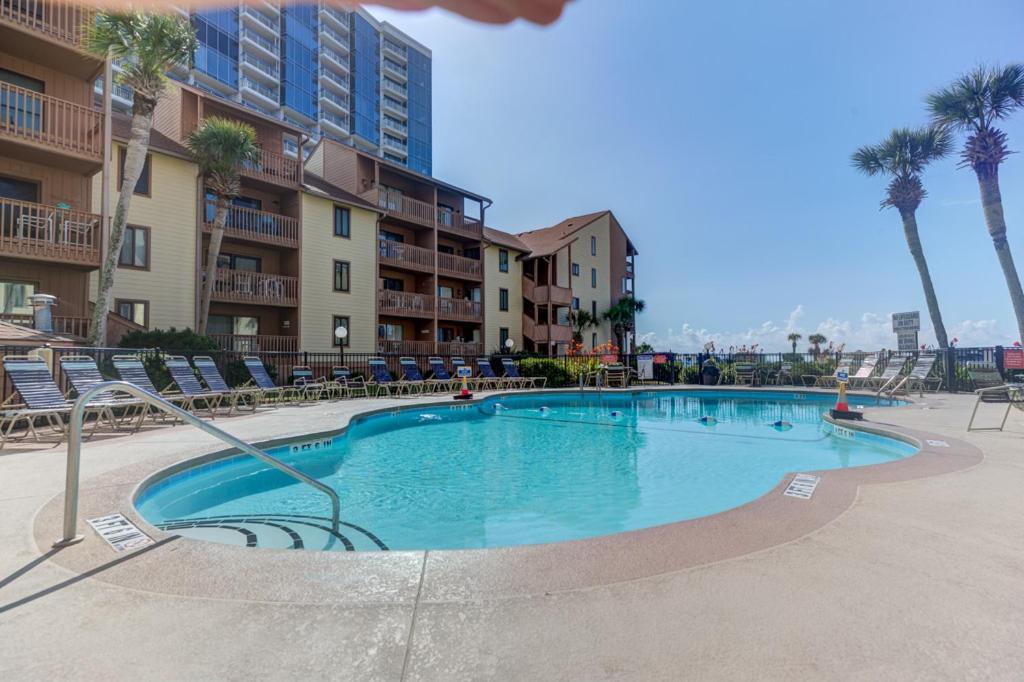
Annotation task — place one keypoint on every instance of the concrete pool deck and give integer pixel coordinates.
(917, 578)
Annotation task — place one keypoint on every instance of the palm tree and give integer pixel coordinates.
(793, 338)
(622, 315)
(816, 340)
(973, 104)
(581, 320)
(903, 155)
(146, 45)
(220, 147)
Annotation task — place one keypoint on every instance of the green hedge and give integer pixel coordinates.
(553, 370)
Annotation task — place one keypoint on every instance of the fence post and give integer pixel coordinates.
(949, 363)
(999, 360)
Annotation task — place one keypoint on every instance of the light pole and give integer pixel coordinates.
(341, 334)
(509, 344)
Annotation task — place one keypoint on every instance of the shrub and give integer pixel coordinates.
(169, 339)
(553, 370)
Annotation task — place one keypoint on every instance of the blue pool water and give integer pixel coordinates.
(516, 470)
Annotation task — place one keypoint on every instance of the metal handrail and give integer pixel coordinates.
(75, 453)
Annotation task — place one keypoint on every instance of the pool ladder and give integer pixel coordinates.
(77, 420)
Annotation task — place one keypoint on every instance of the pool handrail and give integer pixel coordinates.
(77, 421)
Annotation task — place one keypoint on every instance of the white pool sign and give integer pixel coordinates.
(842, 376)
(464, 372)
(119, 532)
(802, 486)
(906, 326)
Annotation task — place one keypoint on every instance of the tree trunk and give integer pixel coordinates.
(212, 254)
(134, 161)
(914, 242)
(992, 204)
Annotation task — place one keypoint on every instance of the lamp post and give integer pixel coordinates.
(509, 344)
(341, 334)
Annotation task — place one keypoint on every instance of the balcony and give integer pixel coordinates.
(460, 267)
(339, 39)
(255, 288)
(395, 125)
(47, 124)
(546, 333)
(261, 68)
(405, 256)
(257, 226)
(335, 56)
(270, 48)
(48, 233)
(395, 106)
(395, 88)
(340, 123)
(65, 22)
(546, 293)
(62, 326)
(393, 49)
(395, 70)
(337, 16)
(399, 347)
(334, 80)
(268, 94)
(405, 303)
(457, 223)
(269, 25)
(395, 145)
(400, 206)
(339, 101)
(459, 309)
(257, 343)
(275, 168)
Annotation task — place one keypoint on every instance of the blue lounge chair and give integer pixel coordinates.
(260, 378)
(306, 385)
(345, 384)
(512, 372)
(487, 377)
(82, 373)
(473, 381)
(381, 379)
(441, 375)
(413, 377)
(238, 398)
(192, 394)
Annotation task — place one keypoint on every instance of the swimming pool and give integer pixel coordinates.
(515, 470)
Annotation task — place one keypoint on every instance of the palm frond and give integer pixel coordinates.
(977, 99)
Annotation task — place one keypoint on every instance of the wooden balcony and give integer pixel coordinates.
(546, 293)
(401, 207)
(405, 304)
(276, 169)
(257, 226)
(65, 22)
(406, 256)
(49, 234)
(459, 309)
(467, 350)
(458, 224)
(394, 347)
(256, 343)
(256, 288)
(458, 266)
(46, 125)
(546, 333)
(62, 326)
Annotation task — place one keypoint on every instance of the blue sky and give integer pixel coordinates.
(720, 135)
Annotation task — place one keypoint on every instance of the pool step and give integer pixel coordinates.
(279, 531)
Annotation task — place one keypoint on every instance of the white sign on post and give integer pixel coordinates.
(906, 341)
(465, 372)
(906, 322)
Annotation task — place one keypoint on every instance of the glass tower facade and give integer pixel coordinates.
(420, 134)
(217, 56)
(365, 88)
(299, 59)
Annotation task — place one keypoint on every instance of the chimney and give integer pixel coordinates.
(42, 312)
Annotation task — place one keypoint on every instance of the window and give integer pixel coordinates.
(593, 309)
(503, 299)
(20, 190)
(392, 284)
(342, 222)
(445, 292)
(503, 260)
(575, 303)
(444, 248)
(625, 285)
(391, 236)
(14, 297)
(239, 325)
(593, 341)
(341, 275)
(502, 337)
(234, 262)
(21, 111)
(341, 321)
(593, 277)
(575, 269)
(142, 186)
(136, 311)
(593, 246)
(135, 248)
(389, 332)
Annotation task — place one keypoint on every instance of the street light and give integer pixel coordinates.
(509, 343)
(341, 333)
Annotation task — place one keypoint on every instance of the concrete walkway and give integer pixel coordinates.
(921, 579)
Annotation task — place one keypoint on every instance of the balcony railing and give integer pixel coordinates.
(398, 347)
(64, 21)
(404, 303)
(467, 350)
(395, 105)
(546, 293)
(340, 121)
(49, 233)
(242, 286)
(400, 254)
(335, 78)
(50, 122)
(395, 144)
(275, 168)
(262, 89)
(334, 55)
(459, 309)
(64, 326)
(266, 68)
(260, 226)
(396, 125)
(261, 18)
(271, 46)
(394, 48)
(257, 343)
(458, 266)
(338, 15)
(334, 98)
(546, 333)
(458, 223)
(336, 36)
(394, 87)
(400, 206)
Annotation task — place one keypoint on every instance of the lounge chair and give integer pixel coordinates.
(918, 376)
(41, 400)
(487, 377)
(82, 373)
(990, 388)
(864, 372)
(891, 374)
(474, 382)
(306, 385)
(827, 380)
(512, 372)
(412, 375)
(131, 369)
(783, 374)
(238, 397)
(381, 379)
(441, 375)
(192, 394)
(260, 379)
(344, 384)
(746, 374)
(617, 374)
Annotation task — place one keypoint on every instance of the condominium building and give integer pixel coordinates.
(325, 71)
(503, 290)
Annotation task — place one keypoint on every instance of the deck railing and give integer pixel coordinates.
(458, 266)
(257, 343)
(404, 303)
(62, 326)
(64, 21)
(49, 233)
(275, 168)
(400, 206)
(242, 286)
(50, 122)
(404, 255)
(459, 309)
(545, 333)
(458, 223)
(261, 226)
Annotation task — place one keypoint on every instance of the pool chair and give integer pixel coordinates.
(618, 375)
(131, 369)
(918, 377)
(746, 374)
(864, 372)
(239, 398)
(260, 379)
(344, 384)
(440, 374)
(412, 375)
(473, 381)
(512, 372)
(191, 393)
(826, 380)
(121, 411)
(991, 389)
(305, 384)
(41, 401)
(782, 375)
(382, 381)
(891, 373)
(487, 378)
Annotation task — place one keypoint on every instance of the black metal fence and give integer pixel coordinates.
(668, 367)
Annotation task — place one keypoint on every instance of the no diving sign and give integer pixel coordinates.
(802, 486)
(119, 532)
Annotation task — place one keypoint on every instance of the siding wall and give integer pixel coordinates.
(320, 248)
(493, 281)
(581, 287)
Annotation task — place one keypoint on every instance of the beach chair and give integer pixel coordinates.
(441, 374)
(827, 380)
(381, 379)
(512, 372)
(82, 373)
(239, 397)
(193, 396)
(474, 382)
(918, 376)
(344, 384)
(260, 379)
(616, 374)
(782, 375)
(864, 372)
(41, 399)
(305, 384)
(131, 369)
(991, 389)
(891, 373)
(487, 378)
(412, 375)
(746, 374)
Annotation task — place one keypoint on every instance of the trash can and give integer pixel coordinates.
(709, 373)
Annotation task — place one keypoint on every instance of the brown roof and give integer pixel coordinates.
(507, 239)
(548, 240)
(318, 184)
(121, 127)
(16, 334)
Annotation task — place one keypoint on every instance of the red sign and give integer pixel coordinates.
(661, 359)
(1013, 359)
